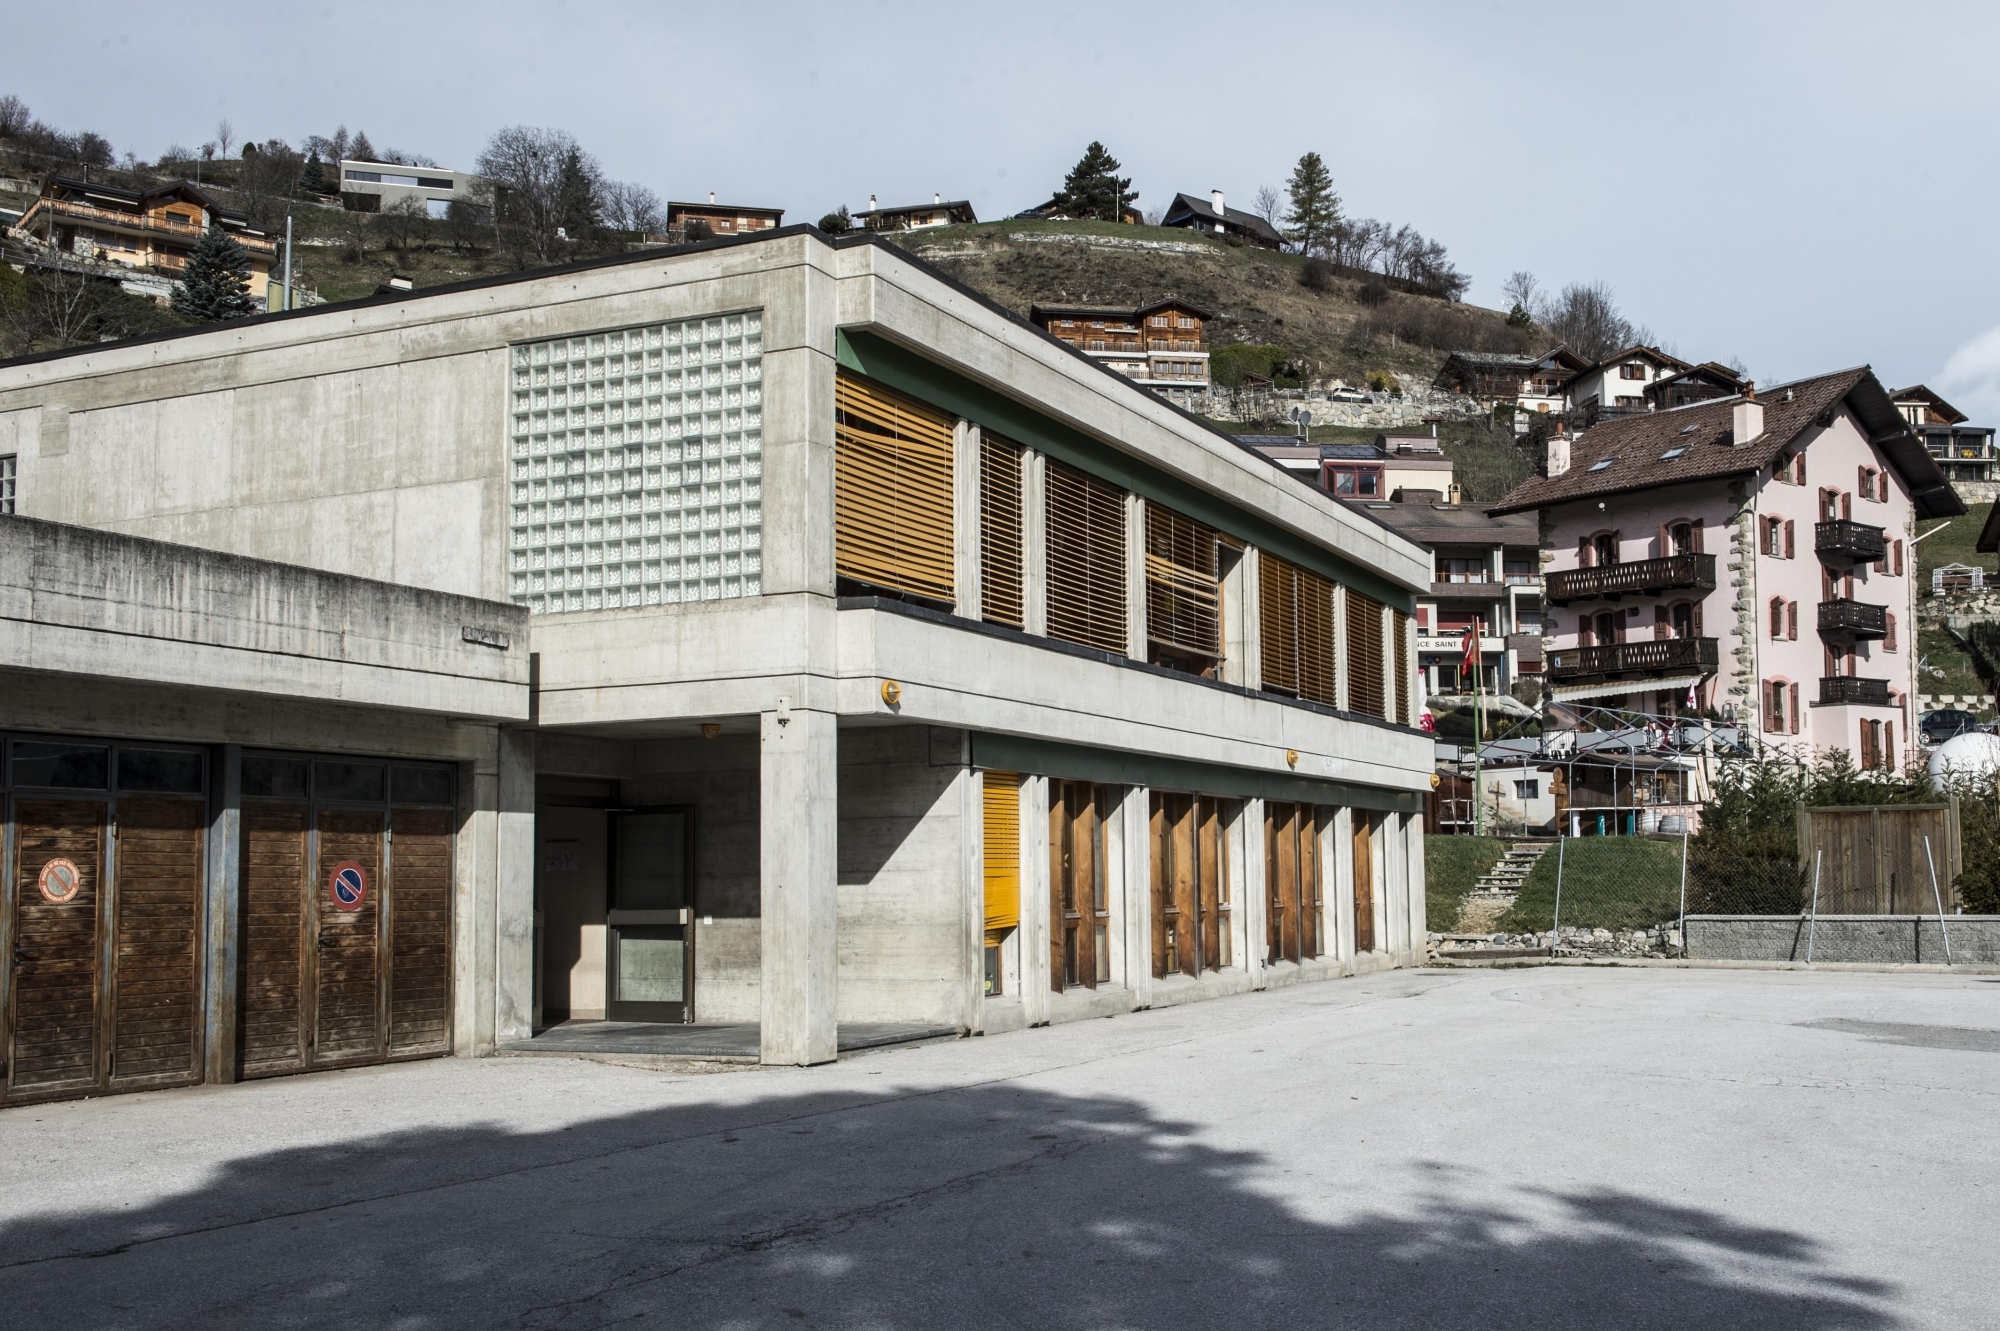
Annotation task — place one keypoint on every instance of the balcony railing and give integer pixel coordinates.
(1853, 619)
(1842, 539)
(1644, 577)
(147, 222)
(1852, 690)
(1651, 656)
(1182, 345)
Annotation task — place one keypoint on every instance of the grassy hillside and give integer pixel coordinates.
(1258, 295)
(1610, 882)
(1452, 866)
(1939, 650)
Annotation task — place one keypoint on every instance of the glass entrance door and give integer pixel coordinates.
(649, 966)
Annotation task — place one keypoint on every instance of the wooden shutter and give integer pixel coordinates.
(1086, 560)
(1790, 549)
(269, 1032)
(1889, 632)
(1002, 825)
(1364, 881)
(1000, 585)
(1792, 621)
(892, 504)
(1400, 645)
(1365, 683)
(1296, 630)
(1183, 590)
(420, 932)
(156, 957)
(1696, 536)
(56, 967)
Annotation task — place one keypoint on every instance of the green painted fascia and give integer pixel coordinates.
(904, 370)
(1075, 762)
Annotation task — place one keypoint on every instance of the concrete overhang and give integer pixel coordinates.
(85, 605)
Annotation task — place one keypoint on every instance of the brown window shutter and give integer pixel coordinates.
(1000, 584)
(1697, 619)
(1086, 560)
(1583, 552)
(1792, 700)
(1662, 623)
(1365, 683)
(1666, 540)
(1400, 645)
(892, 485)
(1791, 550)
(1792, 620)
(1183, 591)
(1002, 827)
(1889, 634)
(1697, 536)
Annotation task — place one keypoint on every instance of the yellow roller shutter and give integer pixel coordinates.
(1003, 851)
(892, 491)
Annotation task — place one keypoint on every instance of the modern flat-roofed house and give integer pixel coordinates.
(1158, 345)
(916, 216)
(1383, 469)
(885, 661)
(370, 187)
(152, 229)
(1214, 216)
(1752, 553)
(1964, 452)
(721, 219)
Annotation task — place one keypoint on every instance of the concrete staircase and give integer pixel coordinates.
(1495, 891)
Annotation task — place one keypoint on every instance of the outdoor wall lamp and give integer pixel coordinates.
(710, 729)
(892, 692)
(1291, 757)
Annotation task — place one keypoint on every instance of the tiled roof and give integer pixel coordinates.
(1629, 453)
(1454, 524)
(1233, 216)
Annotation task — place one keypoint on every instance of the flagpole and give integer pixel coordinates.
(1478, 728)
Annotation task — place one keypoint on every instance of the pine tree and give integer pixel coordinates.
(215, 284)
(313, 179)
(1093, 187)
(1315, 207)
(361, 150)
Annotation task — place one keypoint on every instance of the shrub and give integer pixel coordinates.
(1373, 294)
(1227, 365)
(1381, 381)
(1317, 276)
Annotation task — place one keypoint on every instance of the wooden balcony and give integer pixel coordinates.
(1856, 542)
(1852, 691)
(1652, 656)
(1644, 577)
(1853, 619)
(145, 224)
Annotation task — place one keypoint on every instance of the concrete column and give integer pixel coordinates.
(1132, 959)
(1238, 844)
(1343, 885)
(965, 461)
(1034, 930)
(1135, 578)
(1385, 626)
(971, 787)
(1413, 872)
(1329, 889)
(1034, 542)
(1340, 631)
(224, 895)
(514, 888)
(474, 892)
(798, 820)
(1255, 893)
(1243, 661)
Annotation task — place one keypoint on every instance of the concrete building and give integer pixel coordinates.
(1751, 554)
(370, 187)
(887, 661)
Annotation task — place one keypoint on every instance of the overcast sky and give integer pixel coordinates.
(1803, 186)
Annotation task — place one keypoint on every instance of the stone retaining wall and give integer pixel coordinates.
(1890, 939)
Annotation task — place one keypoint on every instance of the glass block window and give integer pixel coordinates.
(7, 483)
(637, 468)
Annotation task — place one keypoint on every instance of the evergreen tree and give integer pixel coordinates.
(215, 284)
(361, 150)
(579, 196)
(1315, 207)
(1093, 187)
(313, 179)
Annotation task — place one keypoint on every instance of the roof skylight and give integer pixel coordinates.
(1600, 466)
(1673, 452)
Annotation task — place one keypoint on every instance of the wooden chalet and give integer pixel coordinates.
(1053, 211)
(1217, 218)
(1160, 345)
(937, 212)
(721, 219)
(1698, 383)
(153, 229)
(1491, 377)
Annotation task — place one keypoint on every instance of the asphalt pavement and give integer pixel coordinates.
(1535, 1148)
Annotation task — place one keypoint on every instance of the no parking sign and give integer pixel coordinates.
(347, 885)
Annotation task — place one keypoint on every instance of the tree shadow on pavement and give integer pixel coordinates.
(993, 1205)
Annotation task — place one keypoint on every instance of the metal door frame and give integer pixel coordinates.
(616, 1009)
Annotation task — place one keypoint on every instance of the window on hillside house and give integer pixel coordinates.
(892, 492)
(1295, 630)
(8, 463)
(1632, 369)
(1183, 592)
(1085, 557)
(1604, 549)
(1367, 685)
(1777, 618)
(1000, 581)
(1190, 885)
(1683, 538)
(1079, 896)
(1295, 912)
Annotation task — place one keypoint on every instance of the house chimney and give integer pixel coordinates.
(1452, 493)
(871, 203)
(1746, 421)
(936, 199)
(1558, 455)
(711, 198)
(1215, 196)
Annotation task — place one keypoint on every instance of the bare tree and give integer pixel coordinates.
(547, 187)
(403, 223)
(14, 117)
(1520, 290)
(1585, 317)
(50, 309)
(1270, 204)
(225, 134)
(629, 207)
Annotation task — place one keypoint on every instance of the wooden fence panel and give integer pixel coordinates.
(1872, 859)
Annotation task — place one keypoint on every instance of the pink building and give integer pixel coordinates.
(1753, 551)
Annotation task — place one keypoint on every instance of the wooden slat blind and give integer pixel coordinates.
(1002, 822)
(1401, 647)
(892, 491)
(1366, 685)
(1183, 589)
(1086, 560)
(1000, 583)
(1295, 612)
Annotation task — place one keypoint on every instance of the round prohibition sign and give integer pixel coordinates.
(347, 885)
(60, 881)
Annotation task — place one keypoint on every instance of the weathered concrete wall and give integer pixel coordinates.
(1895, 939)
(902, 926)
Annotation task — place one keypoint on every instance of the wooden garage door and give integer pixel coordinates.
(347, 960)
(420, 932)
(155, 991)
(271, 1027)
(53, 1026)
